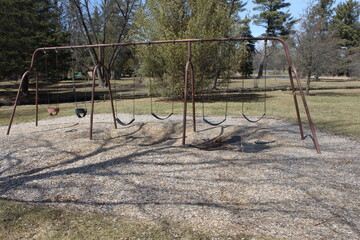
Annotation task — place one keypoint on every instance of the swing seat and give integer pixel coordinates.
(212, 123)
(53, 111)
(80, 112)
(123, 123)
(161, 118)
(253, 121)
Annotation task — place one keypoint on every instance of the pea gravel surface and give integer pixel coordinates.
(239, 178)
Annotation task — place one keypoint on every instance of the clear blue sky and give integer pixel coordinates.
(296, 9)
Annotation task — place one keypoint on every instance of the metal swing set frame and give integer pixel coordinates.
(189, 79)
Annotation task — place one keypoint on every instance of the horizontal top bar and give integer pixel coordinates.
(159, 42)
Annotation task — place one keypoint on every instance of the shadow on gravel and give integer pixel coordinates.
(235, 180)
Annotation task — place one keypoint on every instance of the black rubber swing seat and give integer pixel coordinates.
(81, 112)
(213, 124)
(161, 118)
(253, 121)
(123, 123)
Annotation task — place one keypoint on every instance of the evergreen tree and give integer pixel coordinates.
(276, 22)
(324, 9)
(347, 26)
(247, 51)
(26, 25)
(347, 23)
(179, 19)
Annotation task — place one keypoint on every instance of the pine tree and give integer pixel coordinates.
(179, 19)
(26, 25)
(347, 28)
(247, 51)
(346, 22)
(276, 22)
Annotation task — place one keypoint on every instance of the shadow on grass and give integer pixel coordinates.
(232, 97)
(332, 94)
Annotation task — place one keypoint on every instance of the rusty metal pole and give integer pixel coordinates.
(192, 86)
(92, 100)
(16, 101)
(186, 92)
(37, 99)
(185, 102)
(193, 96)
(110, 94)
(307, 111)
(293, 90)
(99, 65)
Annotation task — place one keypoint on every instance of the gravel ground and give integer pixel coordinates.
(257, 179)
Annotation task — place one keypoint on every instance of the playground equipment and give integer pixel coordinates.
(80, 112)
(118, 120)
(152, 108)
(226, 79)
(188, 80)
(165, 82)
(264, 63)
(53, 111)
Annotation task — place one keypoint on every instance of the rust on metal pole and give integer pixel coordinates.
(111, 97)
(188, 63)
(99, 65)
(92, 100)
(185, 102)
(293, 90)
(192, 76)
(16, 101)
(307, 111)
(193, 96)
(37, 99)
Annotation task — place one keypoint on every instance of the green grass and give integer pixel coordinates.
(283, 83)
(336, 111)
(25, 221)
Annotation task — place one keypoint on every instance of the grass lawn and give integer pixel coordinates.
(334, 110)
(24, 221)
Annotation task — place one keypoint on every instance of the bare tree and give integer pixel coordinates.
(316, 45)
(106, 21)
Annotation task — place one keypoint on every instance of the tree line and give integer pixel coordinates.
(326, 40)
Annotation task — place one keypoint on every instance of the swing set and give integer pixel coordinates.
(254, 79)
(189, 81)
(226, 79)
(117, 119)
(80, 112)
(52, 110)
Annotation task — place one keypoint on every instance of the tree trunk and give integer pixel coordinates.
(215, 79)
(261, 69)
(260, 72)
(101, 76)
